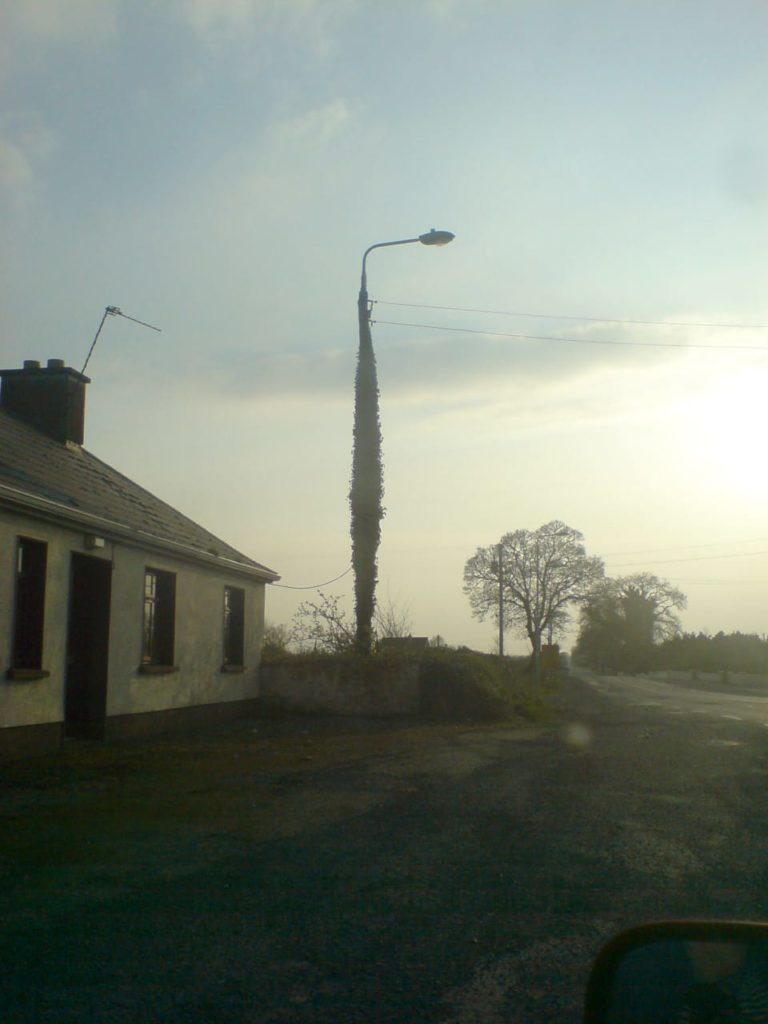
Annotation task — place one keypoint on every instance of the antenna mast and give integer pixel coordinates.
(113, 311)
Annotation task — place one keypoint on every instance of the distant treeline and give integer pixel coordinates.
(689, 652)
(731, 652)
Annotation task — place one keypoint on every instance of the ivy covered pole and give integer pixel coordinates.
(500, 549)
(367, 486)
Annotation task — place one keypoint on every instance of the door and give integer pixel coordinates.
(87, 647)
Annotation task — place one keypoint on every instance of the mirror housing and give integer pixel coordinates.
(680, 970)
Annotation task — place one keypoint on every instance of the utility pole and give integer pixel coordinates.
(501, 603)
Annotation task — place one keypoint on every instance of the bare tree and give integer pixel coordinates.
(540, 572)
(659, 600)
(391, 620)
(322, 626)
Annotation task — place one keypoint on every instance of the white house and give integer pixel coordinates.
(118, 615)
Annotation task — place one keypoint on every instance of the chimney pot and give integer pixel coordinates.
(52, 400)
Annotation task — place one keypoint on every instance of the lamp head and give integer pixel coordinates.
(436, 237)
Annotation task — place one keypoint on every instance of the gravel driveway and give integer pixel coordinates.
(360, 871)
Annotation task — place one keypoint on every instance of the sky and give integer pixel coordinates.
(216, 168)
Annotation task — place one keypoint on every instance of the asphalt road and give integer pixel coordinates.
(448, 875)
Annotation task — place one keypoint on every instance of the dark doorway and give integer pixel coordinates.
(87, 647)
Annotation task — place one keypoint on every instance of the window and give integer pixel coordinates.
(31, 558)
(159, 617)
(234, 626)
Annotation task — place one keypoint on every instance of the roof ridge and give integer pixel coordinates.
(84, 483)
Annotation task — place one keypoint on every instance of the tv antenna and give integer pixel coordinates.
(113, 311)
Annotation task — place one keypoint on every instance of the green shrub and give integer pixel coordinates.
(461, 685)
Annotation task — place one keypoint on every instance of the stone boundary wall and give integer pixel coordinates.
(340, 687)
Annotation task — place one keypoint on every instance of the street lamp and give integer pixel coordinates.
(367, 486)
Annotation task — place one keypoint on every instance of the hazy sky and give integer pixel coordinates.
(217, 167)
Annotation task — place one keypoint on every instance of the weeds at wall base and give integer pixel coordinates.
(439, 685)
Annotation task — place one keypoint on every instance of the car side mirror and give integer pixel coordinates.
(681, 971)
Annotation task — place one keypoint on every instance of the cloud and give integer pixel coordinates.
(426, 362)
(450, 371)
(276, 184)
(279, 375)
(25, 144)
(482, 384)
(27, 25)
(83, 20)
(205, 16)
(217, 21)
(319, 125)
(447, 10)
(15, 169)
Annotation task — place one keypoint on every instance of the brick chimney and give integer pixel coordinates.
(49, 398)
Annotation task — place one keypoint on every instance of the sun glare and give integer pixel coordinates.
(725, 427)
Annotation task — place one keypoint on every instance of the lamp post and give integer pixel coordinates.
(367, 486)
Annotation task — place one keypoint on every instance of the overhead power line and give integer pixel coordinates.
(284, 586)
(693, 558)
(688, 547)
(574, 341)
(722, 583)
(562, 316)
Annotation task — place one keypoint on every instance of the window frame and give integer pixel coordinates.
(233, 629)
(30, 585)
(158, 637)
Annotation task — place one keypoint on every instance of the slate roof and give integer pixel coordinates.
(67, 484)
